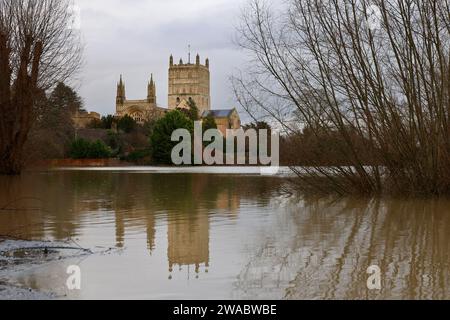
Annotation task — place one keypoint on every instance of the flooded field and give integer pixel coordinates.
(154, 234)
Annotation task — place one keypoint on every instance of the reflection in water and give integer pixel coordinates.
(321, 249)
(189, 242)
(55, 206)
(234, 236)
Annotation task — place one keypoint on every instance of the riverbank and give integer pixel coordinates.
(20, 258)
(8, 292)
(123, 166)
(83, 163)
(14, 259)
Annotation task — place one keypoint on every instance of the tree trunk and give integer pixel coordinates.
(36, 51)
(11, 163)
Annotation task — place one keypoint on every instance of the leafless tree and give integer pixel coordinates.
(377, 68)
(37, 49)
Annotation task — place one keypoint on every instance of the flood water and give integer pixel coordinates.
(208, 236)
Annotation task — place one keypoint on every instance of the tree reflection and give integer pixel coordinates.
(308, 249)
(321, 249)
(63, 203)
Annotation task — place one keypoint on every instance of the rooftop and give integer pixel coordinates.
(224, 113)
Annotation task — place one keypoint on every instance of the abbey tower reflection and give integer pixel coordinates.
(188, 242)
(314, 248)
(186, 221)
(176, 208)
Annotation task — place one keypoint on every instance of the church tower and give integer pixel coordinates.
(189, 80)
(121, 97)
(151, 91)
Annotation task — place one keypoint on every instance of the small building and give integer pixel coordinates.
(84, 119)
(225, 119)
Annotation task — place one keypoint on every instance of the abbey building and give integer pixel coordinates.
(139, 110)
(186, 81)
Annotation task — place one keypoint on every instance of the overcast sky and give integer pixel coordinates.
(136, 37)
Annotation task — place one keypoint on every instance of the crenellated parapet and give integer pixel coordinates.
(189, 81)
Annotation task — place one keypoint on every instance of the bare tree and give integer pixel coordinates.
(37, 49)
(377, 68)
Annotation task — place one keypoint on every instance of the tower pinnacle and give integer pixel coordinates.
(189, 54)
(121, 97)
(151, 91)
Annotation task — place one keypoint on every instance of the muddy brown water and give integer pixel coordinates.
(208, 236)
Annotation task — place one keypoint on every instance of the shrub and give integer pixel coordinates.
(209, 123)
(161, 138)
(138, 156)
(99, 150)
(107, 122)
(113, 140)
(127, 124)
(84, 149)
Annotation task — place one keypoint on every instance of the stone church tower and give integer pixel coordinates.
(189, 81)
(139, 110)
(186, 81)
